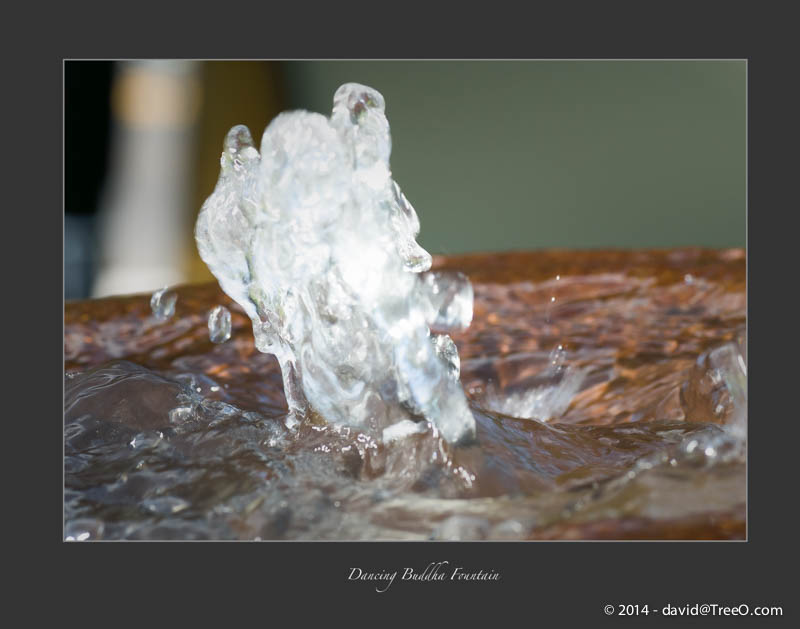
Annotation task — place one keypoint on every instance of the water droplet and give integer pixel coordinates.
(219, 324)
(558, 359)
(238, 137)
(162, 303)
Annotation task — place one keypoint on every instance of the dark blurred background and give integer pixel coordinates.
(494, 155)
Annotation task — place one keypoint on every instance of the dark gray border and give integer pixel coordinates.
(266, 583)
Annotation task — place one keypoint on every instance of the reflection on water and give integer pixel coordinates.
(168, 435)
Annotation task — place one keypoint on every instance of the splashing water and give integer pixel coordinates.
(640, 431)
(448, 351)
(162, 303)
(316, 242)
(716, 391)
(219, 324)
(546, 401)
(169, 437)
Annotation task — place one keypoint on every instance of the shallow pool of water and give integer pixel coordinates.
(170, 436)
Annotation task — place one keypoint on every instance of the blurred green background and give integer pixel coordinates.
(494, 155)
(501, 155)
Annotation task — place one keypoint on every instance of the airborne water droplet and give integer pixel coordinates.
(162, 303)
(219, 324)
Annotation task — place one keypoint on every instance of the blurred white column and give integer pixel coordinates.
(145, 225)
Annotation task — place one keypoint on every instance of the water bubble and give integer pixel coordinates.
(162, 303)
(219, 324)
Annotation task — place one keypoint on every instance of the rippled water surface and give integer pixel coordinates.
(168, 435)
